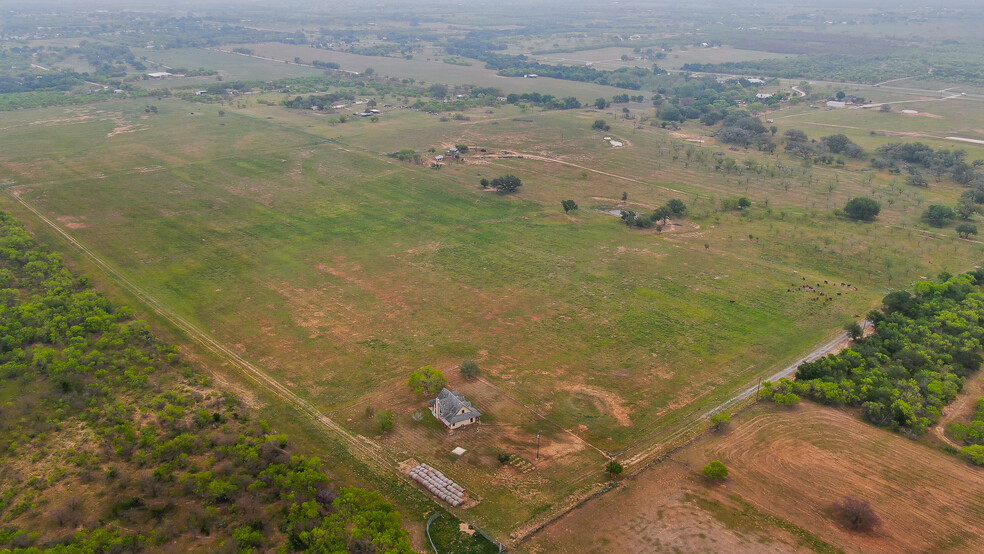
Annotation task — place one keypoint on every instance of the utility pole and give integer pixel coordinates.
(538, 444)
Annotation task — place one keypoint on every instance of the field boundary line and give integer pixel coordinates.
(252, 372)
(698, 420)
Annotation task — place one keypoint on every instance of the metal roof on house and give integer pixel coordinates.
(452, 403)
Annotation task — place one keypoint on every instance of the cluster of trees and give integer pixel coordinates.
(828, 150)
(505, 184)
(924, 346)
(151, 453)
(916, 156)
(600, 125)
(319, 101)
(673, 208)
(743, 129)
(29, 82)
(407, 155)
(548, 101)
(680, 99)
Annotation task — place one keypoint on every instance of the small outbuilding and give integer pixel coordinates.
(453, 410)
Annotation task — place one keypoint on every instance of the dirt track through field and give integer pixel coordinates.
(361, 448)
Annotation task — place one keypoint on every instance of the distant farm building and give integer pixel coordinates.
(159, 75)
(453, 410)
(836, 104)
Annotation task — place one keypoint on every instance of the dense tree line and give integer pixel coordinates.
(924, 345)
(962, 63)
(149, 453)
(320, 101)
(480, 45)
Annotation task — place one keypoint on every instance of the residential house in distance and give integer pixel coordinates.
(451, 409)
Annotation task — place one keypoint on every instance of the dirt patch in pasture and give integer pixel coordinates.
(73, 221)
(923, 114)
(623, 202)
(690, 137)
(122, 129)
(611, 403)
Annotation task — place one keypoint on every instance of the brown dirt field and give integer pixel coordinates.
(655, 513)
(789, 465)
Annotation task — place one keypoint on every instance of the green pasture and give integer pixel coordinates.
(433, 70)
(611, 57)
(339, 270)
(231, 67)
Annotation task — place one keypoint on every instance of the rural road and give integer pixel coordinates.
(696, 423)
(833, 346)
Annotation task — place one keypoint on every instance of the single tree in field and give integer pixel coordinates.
(614, 469)
(854, 330)
(862, 208)
(856, 514)
(966, 229)
(427, 380)
(386, 421)
(677, 206)
(938, 215)
(469, 369)
(662, 213)
(715, 471)
(600, 125)
(601, 103)
(720, 421)
(506, 184)
(744, 202)
(568, 205)
(484, 183)
(966, 208)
